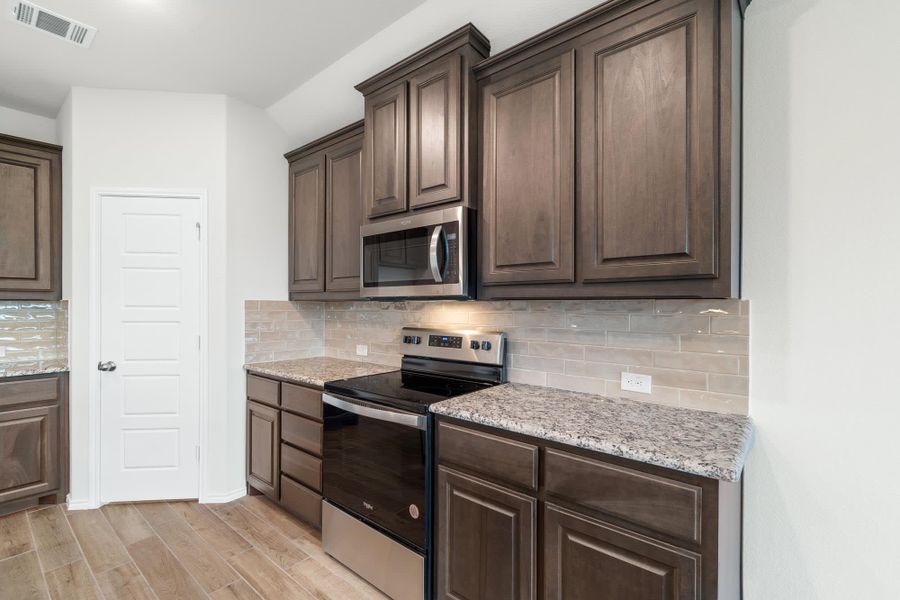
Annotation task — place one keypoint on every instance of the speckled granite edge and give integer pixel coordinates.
(317, 370)
(692, 441)
(22, 370)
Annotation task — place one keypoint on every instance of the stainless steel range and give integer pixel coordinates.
(376, 516)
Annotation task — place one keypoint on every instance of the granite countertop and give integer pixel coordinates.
(693, 441)
(39, 367)
(316, 371)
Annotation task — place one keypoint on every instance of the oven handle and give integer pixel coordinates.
(381, 414)
(433, 254)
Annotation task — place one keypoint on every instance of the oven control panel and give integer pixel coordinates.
(469, 345)
(445, 341)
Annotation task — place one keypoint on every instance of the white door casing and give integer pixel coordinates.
(149, 317)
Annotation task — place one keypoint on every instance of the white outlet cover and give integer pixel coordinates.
(635, 382)
(362, 350)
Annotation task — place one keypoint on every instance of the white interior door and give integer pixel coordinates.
(149, 327)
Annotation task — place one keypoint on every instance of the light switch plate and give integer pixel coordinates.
(362, 350)
(635, 382)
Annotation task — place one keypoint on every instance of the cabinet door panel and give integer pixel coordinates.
(384, 167)
(29, 225)
(586, 559)
(307, 224)
(434, 133)
(528, 142)
(344, 204)
(648, 146)
(486, 540)
(29, 451)
(262, 448)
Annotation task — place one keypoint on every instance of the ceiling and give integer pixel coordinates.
(255, 50)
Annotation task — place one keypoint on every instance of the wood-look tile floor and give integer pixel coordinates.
(246, 549)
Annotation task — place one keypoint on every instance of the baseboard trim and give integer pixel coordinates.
(72, 504)
(226, 497)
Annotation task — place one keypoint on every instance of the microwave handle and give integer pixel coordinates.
(433, 254)
(379, 413)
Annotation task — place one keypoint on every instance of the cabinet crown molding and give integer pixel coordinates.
(467, 35)
(326, 140)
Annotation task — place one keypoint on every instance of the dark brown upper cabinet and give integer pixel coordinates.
(528, 199)
(326, 210)
(652, 170)
(420, 127)
(30, 220)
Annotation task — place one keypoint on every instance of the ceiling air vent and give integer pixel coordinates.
(32, 15)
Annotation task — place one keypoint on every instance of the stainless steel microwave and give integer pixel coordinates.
(424, 255)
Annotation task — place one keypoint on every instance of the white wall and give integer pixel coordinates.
(27, 125)
(821, 251)
(328, 100)
(257, 182)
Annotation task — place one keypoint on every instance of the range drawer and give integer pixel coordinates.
(302, 467)
(262, 390)
(498, 458)
(663, 505)
(301, 432)
(301, 501)
(303, 400)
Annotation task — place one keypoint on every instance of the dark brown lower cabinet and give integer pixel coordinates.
(487, 537)
(263, 451)
(587, 559)
(284, 445)
(609, 528)
(33, 441)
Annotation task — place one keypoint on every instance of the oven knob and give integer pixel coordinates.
(485, 345)
(415, 339)
(473, 344)
(406, 339)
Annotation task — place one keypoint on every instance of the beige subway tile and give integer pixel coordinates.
(282, 305)
(540, 319)
(730, 325)
(490, 319)
(744, 366)
(258, 357)
(251, 305)
(601, 322)
(529, 377)
(674, 378)
(265, 315)
(545, 305)
(498, 306)
(538, 363)
(745, 308)
(587, 385)
(609, 306)
(660, 395)
(729, 384)
(526, 333)
(596, 370)
(667, 324)
(577, 336)
(712, 401)
(622, 356)
(728, 306)
(516, 347)
(649, 341)
(569, 351)
(718, 344)
(696, 361)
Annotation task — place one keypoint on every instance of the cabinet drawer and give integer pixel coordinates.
(29, 390)
(301, 501)
(262, 390)
(29, 453)
(303, 400)
(303, 467)
(302, 433)
(664, 505)
(498, 458)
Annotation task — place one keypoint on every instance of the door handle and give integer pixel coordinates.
(433, 254)
(106, 366)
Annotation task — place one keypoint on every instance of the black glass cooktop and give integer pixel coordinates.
(404, 389)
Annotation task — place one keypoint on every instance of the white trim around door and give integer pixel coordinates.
(98, 195)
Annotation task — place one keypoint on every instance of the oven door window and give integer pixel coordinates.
(376, 469)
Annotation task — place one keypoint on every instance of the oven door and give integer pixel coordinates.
(422, 255)
(375, 464)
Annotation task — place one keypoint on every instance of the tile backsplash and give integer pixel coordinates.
(695, 350)
(33, 332)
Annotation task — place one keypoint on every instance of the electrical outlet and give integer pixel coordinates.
(362, 350)
(634, 382)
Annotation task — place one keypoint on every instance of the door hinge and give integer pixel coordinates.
(197, 448)
(198, 230)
